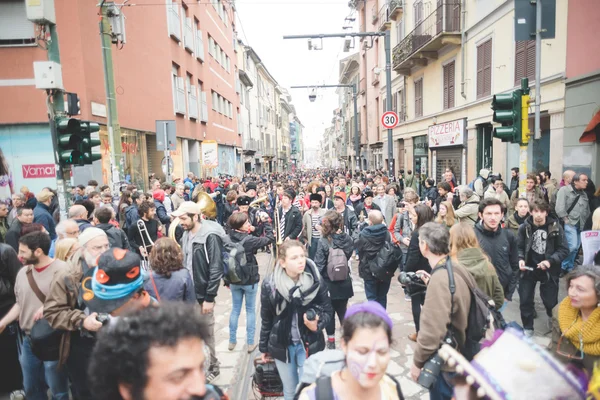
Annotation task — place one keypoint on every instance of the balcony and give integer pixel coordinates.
(282, 154)
(174, 22)
(199, 46)
(193, 102)
(438, 29)
(391, 11)
(374, 14)
(269, 152)
(251, 146)
(375, 72)
(188, 35)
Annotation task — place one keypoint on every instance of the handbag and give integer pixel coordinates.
(45, 340)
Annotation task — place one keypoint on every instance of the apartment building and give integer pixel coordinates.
(449, 58)
(178, 63)
(349, 75)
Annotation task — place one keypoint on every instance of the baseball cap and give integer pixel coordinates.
(341, 195)
(187, 207)
(113, 282)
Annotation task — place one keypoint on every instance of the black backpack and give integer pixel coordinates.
(385, 263)
(483, 318)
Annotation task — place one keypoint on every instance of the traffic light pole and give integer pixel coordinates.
(538, 67)
(57, 108)
(114, 129)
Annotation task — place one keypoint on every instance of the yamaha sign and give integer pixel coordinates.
(33, 171)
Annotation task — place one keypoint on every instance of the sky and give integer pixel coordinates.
(262, 24)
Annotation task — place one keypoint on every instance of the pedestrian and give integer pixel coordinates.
(465, 250)
(312, 226)
(496, 191)
(519, 216)
(532, 193)
(446, 215)
(131, 212)
(161, 211)
(290, 218)
(468, 206)
(79, 214)
(370, 241)
(499, 244)
(350, 220)
(142, 237)
(65, 248)
(415, 261)
(542, 248)
(170, 280)
(480, 183)
(3, 221)
(32, 286)
(443, 188)
(230, 204)
(443, 312)
(573, 208)
(124, 202)
(202, 247)
(355, 197)
(24, 218)
(41, 212)
(116, 237)
(334, 250)
(514, 180)
(363, 209)
(18, 201)
(248, 286)
(295, 308)
(386, 204)
(366, 326)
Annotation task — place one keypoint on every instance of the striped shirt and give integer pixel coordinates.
(316, 220)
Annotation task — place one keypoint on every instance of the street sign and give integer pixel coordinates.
(165, 133)
(167, 166)
(525, 13)
(389, 120)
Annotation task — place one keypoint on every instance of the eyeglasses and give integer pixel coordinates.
(577, 356)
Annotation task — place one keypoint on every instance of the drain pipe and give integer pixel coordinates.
(463, 35)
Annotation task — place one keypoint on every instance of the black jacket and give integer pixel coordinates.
(13, 234)
(501, 247)
(514, 185)
(9, 268)
(116, 236)
(207, 261)
(135, 239)
(293, 223)
(414, 259)
(270, 342)
(83, 224)
(341, 290)
(368, 244)
(361, 210)
(351, 222)
(251, 245)
(557, 248)
(161, 214)
(431, 194)
(228, 210)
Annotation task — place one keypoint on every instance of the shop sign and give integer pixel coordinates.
(450, 133)
(210, 154)
(33, 171)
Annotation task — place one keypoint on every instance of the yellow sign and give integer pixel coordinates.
(525, 132)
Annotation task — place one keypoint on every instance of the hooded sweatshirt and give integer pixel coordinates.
(187, 241)
(368, 244)
(476, 262)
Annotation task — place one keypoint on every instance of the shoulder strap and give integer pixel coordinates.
(323, 388)
(573, 204)
(34, 286)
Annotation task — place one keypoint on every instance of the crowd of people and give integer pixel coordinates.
(92, 305)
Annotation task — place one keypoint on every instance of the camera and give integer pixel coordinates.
(432, 368)
(311, 314)
(103, 318)
(412, 282)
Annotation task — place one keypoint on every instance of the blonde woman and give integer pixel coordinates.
(65, 248)
(446, 214)
(465, 249)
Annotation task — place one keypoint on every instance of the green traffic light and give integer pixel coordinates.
(507, 111)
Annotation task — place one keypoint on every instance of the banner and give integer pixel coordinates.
(210, 154)
(590, 243)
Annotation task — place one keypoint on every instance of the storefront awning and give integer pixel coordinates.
(592, 130)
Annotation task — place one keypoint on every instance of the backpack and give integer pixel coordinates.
(386, 262)
(482, 320)
(234, 260)
(485, 184)
(337, 265)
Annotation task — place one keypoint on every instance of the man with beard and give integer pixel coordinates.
(290, 219)
(542, 248)
(24, 218)
(161, 360)
(499, 244)
(350, 220)
(143, 246)
(202, 247)
(311, 222)
(64, 310)
(31, 287)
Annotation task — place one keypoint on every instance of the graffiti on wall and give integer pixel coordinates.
(226, 160)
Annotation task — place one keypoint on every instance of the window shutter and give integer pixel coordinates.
(451, 85)
(520, 50)
(480, 53)
(445, 85)
(487, 68)
(395, 103)
(530, 57)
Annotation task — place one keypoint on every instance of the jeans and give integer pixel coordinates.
(339, 308)
(441, 389)
(573, 235)
(312, 249)
(548, 293)
(377, 291)
(291, 371)
(417, 302)
(237, 295)
(38, 375)
(210, 339)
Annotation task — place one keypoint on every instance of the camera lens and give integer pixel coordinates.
(311, 314)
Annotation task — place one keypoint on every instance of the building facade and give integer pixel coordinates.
(449, 58)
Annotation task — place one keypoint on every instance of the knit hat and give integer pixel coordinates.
(484, 173)
(89, 234)
(251, 186)
(159, 195)
(368, 193)
(316, 197)
(321, 189)
(289, 193)
(341, 195)
(243, 201)
(370, 307)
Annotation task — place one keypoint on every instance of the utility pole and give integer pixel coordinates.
(388, 77)
(57, 108)
(538, 67)
(107, 9)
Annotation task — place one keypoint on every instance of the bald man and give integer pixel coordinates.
(79, 214)
(65, 229)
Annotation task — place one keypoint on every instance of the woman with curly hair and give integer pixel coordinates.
(169, 281)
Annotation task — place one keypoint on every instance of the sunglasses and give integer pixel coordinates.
(577, 356)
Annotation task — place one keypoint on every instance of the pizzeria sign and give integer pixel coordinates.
(451, 133)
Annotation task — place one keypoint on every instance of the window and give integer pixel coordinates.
(15, 28)
(215, 101)
(524, 61)
(419, 98)
(484, 69)
(401, 107)
(449, 85)
(211, 46)
(179, 91)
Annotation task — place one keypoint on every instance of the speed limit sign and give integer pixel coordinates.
(389, 120)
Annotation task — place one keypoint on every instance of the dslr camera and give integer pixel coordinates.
(412, 282)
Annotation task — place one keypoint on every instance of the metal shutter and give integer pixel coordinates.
(151, 149)
(15, 28)
(448, 158)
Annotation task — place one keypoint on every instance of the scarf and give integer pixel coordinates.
(294, 294)
(571, 325)
(355, 197)
(520, 220)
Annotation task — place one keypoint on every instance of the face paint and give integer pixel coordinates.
(367, 368)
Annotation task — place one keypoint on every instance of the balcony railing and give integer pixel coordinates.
(193, 102)
(188, 35)
(174, 22)
(251, 146)
(269, 151)
(438, 29)
(388, 13)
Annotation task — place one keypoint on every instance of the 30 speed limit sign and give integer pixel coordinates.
(389, 120)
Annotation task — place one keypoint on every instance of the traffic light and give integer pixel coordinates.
(89, 155)
(68, 136)
(507, 111)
